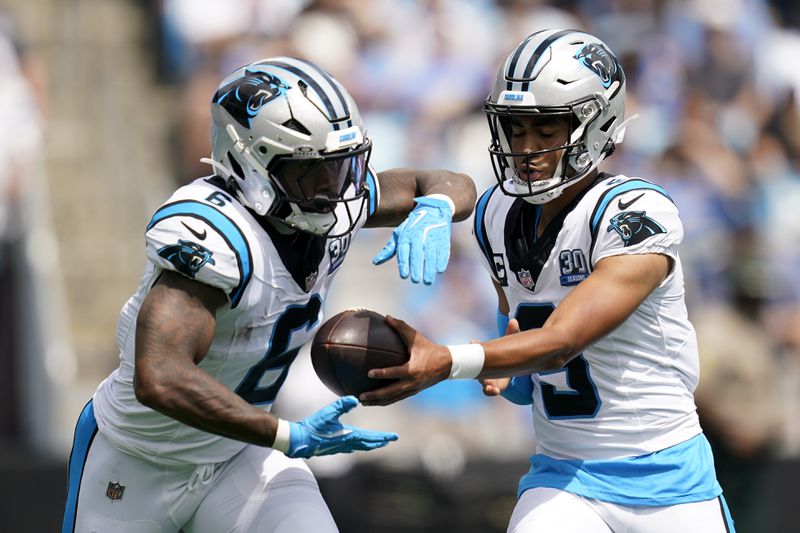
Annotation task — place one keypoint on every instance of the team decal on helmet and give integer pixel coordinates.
(243, 97)
(634, 226)
(187, 256)
(599, 60)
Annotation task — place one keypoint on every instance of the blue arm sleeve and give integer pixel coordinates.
(520, 390)
(502, 323)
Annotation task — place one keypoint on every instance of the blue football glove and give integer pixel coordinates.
(519, 391)
(422, 241)
(323, 434)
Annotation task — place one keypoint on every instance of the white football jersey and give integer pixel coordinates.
(631, 392)
(276, 285)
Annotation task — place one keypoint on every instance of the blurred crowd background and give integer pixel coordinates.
(104, 111)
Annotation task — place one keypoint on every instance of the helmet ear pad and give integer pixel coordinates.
(267, 189)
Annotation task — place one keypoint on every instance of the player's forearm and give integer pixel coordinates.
(174, 330)
(400, 186)
(195, 398)
(528, 352)
(458, 187)
(595, 308)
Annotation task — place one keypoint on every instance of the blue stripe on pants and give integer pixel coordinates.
(85, 430)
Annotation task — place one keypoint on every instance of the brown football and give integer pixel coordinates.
(351, 343)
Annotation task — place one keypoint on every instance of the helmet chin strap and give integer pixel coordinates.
(316, 223)
(218, 167)
(549, 187)
(538, 198)
(555, 186)
(619, 131)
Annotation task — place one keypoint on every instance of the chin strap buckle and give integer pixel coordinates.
(238, 143)
(619, 131)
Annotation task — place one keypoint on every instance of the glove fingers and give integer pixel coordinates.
(422, 241)
(376, 437)
(345, 404)
(443, 257)
(366, 435)
(387, 252)
(403, 252)
(326, 420)
(367, 440)
(429, 268)
(372, 445)
(416, 259)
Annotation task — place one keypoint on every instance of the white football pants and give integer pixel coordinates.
(546, 510)
(257, 491)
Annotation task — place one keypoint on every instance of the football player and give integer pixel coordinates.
(586, 265)
(239, 263)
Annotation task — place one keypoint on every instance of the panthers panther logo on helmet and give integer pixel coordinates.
(634, 226)
(187, 256)
(601, 61)
(244, 97)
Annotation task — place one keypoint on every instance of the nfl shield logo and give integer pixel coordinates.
(115, 491)
(311, 279)
(526, 279)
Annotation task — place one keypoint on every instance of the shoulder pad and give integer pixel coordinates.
(200, 242)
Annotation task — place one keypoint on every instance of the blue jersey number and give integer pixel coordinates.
(264, 379)
(582, 401)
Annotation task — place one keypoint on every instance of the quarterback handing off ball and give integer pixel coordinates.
(351, 343)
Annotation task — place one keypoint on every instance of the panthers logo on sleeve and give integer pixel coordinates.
(223, 260)
(187, 256)
(634, 226)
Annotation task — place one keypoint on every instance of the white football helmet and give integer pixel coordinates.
(558, 73)
(288, 138)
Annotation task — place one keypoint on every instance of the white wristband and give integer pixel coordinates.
(282, 440)
(467, 360)
(444, 197)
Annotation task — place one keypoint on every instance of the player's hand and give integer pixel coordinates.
(422, 241)
(428, 364)
(323, 434)
(519, 389)
(494, 386)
